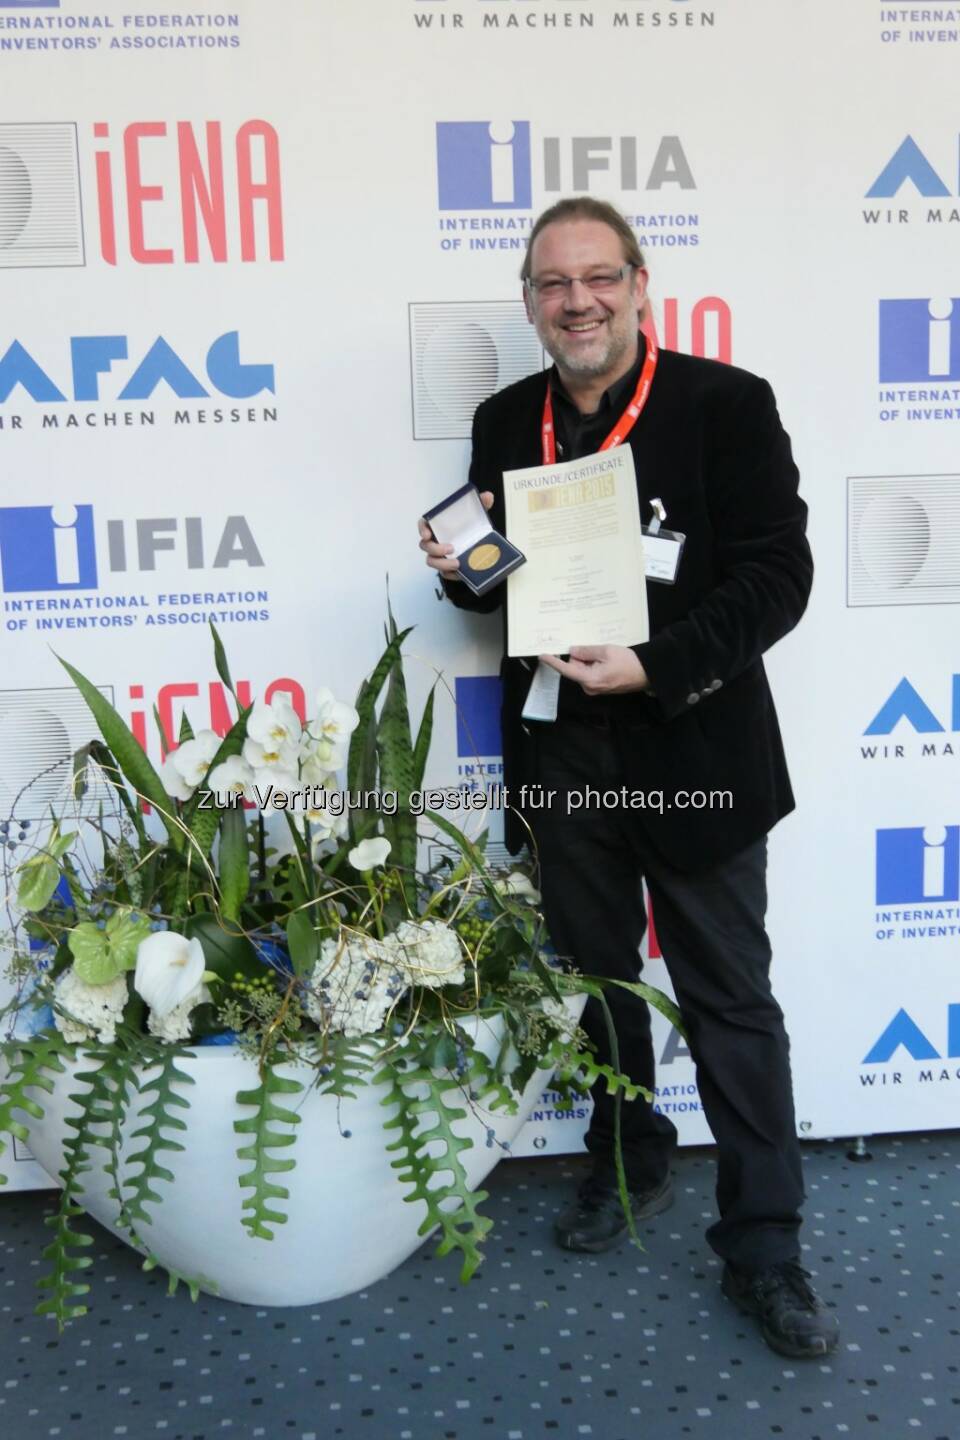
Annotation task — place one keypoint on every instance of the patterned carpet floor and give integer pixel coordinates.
(631, 1345)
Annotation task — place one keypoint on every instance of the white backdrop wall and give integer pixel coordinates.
(259, 263)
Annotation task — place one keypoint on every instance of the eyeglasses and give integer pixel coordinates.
(598, 282)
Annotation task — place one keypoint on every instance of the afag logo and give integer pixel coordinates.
(919, 340)
(92, 357)
(908, 165)
(904, 1032)
(905, 703)
(909, 178)
(918, 865)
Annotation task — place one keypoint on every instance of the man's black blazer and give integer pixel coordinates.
(710, 444)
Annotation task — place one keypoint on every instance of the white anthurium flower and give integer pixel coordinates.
(334, 721)
(516, 883)
(169, 967)
(369, 853)
(173, 782)
(192, 758)
(233, 777)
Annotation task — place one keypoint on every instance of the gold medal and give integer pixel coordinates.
(484, 557)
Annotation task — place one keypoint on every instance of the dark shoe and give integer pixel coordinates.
(596, 1222)
(793, 1319)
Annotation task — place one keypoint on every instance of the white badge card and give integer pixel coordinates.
(543, 695)
(661, 553)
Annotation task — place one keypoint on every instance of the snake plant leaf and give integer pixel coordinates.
(220, 660)
(424, 735)
(396, 762)
(363, 739)
(129, 756)
(234, 862)
(303, 942)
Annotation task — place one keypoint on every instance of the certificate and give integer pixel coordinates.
(579, 526)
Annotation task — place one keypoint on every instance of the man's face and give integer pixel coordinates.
(588, 334)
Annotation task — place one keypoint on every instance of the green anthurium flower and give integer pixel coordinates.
(99, 956)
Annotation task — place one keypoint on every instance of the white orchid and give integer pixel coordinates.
(334, 721)
(173, 782)
(232, 777)
(273, 735)
(169, 967)
(319, 759)
(324, 827)
(518, 884)
(191, 760)
(269, 782)
(369, 853)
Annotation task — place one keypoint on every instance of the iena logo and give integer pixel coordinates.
(163, 193)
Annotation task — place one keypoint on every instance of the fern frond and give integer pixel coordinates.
(429, 1161)
(160, 1076)
(28, 1064)
(343, 1065)
(265, 1137)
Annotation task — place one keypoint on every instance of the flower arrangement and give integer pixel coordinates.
(238, 896)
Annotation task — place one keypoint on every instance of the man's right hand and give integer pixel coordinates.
(441, 557)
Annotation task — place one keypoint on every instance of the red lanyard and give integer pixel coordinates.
(627, 420)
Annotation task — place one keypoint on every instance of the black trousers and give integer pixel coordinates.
(710, 926)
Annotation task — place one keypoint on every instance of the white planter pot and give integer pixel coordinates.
(348, 1224)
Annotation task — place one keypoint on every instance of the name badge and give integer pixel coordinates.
(661, 553)
(543, 695)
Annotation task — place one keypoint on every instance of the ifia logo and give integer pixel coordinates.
(919, 340)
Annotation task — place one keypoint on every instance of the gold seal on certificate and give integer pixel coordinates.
(584, 583)
(483, 557)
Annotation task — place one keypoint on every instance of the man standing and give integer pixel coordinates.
(688, 709)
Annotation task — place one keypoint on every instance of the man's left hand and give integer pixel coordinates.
(601, 669)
